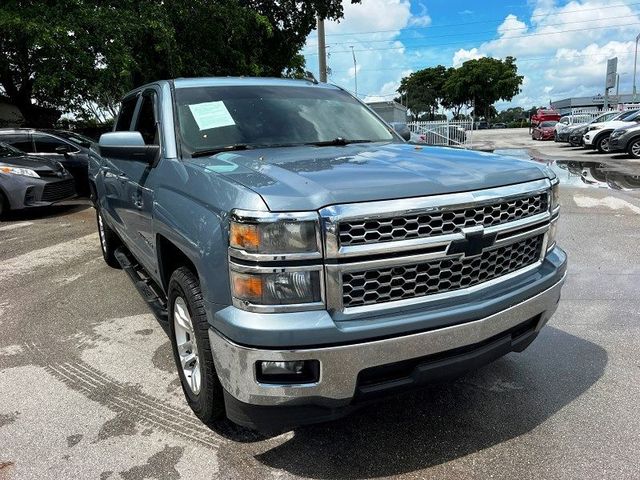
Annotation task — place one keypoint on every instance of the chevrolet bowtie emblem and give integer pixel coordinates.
(474, 242)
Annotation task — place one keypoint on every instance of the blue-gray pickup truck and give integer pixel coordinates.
(305, 258)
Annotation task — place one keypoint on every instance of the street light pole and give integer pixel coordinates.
(635, 63)
(355, 69)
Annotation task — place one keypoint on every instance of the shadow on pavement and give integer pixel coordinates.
(450, 420)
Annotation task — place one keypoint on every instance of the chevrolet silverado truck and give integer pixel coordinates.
(306, 260)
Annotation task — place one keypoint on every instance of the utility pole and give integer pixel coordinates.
(355, 69)
(635, 62)
(322, 51)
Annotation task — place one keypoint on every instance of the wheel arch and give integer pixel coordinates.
(170, 258)
(599, 136)
(631, 140)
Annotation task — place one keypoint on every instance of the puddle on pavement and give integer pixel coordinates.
(616, 174)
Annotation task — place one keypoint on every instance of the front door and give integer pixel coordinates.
(138, 215)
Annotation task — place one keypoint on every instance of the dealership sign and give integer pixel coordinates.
(612, 70)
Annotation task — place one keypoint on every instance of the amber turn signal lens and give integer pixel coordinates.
(247, 287)
(244, 236)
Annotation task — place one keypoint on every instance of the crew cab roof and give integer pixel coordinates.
(247, 81)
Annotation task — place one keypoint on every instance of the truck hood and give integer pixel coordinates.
(309, 178)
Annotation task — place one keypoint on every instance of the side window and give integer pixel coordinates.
(146, 120)
(126, 113)
(20, 141)
(48, 144)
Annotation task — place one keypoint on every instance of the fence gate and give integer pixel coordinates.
(454, 133)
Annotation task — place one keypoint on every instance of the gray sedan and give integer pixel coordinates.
(31, 182)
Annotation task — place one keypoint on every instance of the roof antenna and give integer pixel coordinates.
(309, 77)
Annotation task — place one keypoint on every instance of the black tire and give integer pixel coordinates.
(4, 204)
(109, 241)
(208, 402)
(633, 149)
(602, 144)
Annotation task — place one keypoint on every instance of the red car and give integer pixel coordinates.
(544, 131)
(544, 115)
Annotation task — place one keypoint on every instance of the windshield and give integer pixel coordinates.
(627, 116)
(8, 151)
(548, 124)
(218, 117)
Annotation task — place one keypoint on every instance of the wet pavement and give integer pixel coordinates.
(88, 387)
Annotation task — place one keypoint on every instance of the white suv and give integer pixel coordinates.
(598, 134)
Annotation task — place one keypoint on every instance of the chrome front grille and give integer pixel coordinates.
(381, 285)
(442, 222)
(448, 245)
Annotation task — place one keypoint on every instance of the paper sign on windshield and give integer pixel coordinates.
(210, 115)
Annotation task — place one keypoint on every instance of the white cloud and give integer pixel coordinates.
(377, 70)
(562, 50)
(463, 55)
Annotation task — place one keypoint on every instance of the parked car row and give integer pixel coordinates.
(610, 132)
(41, 167)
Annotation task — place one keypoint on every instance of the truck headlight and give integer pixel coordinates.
(275, 261)
(554, 196)
(293, 235)
(275, 288)
(27, 172)
(551, 235)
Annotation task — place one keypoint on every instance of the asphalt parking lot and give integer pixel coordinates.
(88, 388)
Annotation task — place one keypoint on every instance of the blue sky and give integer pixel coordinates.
(561, 46)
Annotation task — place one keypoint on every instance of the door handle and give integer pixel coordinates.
(137, 200)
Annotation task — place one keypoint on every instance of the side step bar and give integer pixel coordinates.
(151, 293)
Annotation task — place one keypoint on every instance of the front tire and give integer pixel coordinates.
(188, 327)
(634, 148)
(603, 144)
(109, 241)
(4, 204)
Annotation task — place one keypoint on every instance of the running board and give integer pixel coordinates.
(147, 288)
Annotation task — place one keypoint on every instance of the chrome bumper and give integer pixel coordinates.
(339, 366)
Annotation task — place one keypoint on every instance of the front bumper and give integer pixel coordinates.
(617, 144)
(259, 405)
(588, 138)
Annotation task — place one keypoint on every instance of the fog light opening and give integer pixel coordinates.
(288, 372)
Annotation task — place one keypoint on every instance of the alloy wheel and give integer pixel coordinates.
(187, 345)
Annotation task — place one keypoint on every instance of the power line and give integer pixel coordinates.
(608, 7)
(531, 59)
(490, 31)
(410, 47)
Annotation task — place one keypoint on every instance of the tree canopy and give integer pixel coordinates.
(478, 83)
(81, 55)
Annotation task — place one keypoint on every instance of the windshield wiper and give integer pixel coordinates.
(228, 148)
(337, 142)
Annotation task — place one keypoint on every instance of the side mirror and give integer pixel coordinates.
(62, 149)
(128, 146)
(401, 129)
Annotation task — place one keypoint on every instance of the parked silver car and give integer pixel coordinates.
(31, 182)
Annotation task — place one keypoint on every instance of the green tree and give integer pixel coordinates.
(81, 55)
(484, 81)
(424, 91)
